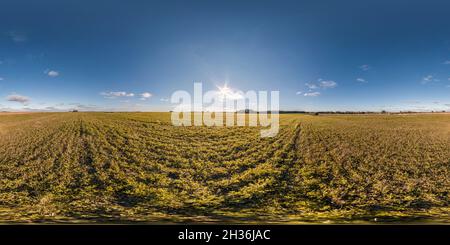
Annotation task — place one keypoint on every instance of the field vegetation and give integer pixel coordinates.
(137, 167)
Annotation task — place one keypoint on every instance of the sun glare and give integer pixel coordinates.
(229, 93)
(224, 90)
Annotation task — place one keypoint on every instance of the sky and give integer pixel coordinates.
(132, 55)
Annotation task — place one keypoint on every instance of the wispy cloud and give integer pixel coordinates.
(51, 73)
(428, 79)
(447, 62)
(308, 94)
(18, 98)
(113, 95)
(18, 37)
(361, 80)
(320, 84)
(327, 84)
(312, 94)
(365, 67)
(60, 107)
(164, 99)
(311, 85)
(145, 96)
(324, 84)
(412, 101)
(1, 79)
(84, 107)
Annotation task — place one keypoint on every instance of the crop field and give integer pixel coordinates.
(137, 167)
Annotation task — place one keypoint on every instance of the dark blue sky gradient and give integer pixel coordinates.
(163, 46)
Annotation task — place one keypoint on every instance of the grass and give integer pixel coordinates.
(137, 167)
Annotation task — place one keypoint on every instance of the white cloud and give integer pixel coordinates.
(299, 93)
(62, 107)
(428, 79)
(365, 67)
(312, 94)
(146, 95)
(324, 84)
(361, 80)
(164, 99)
(18, 98)
(18, 37)
(113, 95)
(85, 107)
(311, 85)
(412, 101)
(52, 73)
(227, 93)
(328, 84)
(447, 62)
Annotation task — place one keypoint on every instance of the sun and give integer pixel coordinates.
(229, 93)
(224, 90)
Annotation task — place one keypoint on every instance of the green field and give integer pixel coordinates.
(137, 167)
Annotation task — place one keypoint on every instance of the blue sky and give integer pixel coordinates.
(320, 55)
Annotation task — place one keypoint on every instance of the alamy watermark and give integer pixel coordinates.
(227, 107)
